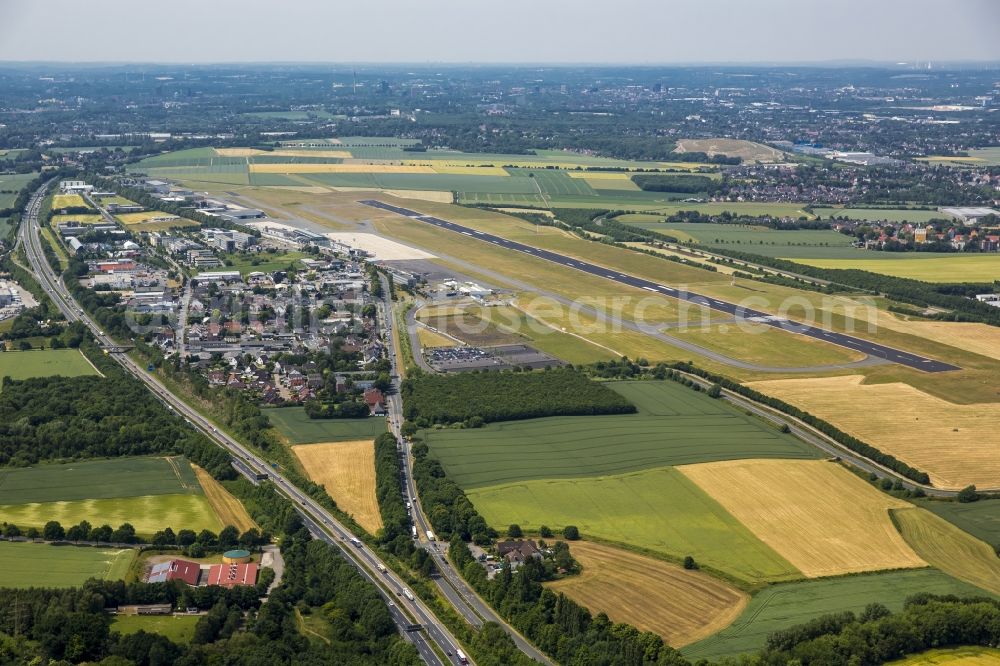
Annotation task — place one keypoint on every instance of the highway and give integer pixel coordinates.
(738, 311)
(406, 611)
(465, 600)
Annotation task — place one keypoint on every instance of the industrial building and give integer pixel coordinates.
(970, 215)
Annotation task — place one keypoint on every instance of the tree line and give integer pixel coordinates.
(688, 184)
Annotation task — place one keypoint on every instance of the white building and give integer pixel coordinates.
(970, 215)
(74, 187)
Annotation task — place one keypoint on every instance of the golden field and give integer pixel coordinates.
(653, 595)
(949, 548)
(956, 445)
(814, 513)
(961, 656)
(229, 509)
(347, 471)
(60, 201)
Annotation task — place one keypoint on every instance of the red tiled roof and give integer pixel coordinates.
(229, 575)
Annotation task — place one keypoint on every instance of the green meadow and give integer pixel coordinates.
(293, 424)
(45, 363)
(674, 426)
(41, 565)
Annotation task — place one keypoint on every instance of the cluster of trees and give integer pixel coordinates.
(206, 541)
(342, 409)
(34, 322)
(50, 418)
(728, 217)
(476, 397)
(676, 183)
(877, 636)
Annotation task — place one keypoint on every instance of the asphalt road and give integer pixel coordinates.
(405, 611)
(739, 312)
(465, 600)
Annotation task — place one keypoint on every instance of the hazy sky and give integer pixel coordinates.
(561, 31)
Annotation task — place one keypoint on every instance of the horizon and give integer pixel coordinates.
(438, 32)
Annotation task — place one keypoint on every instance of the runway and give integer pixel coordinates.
(737, 311)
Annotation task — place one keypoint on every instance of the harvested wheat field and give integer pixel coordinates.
(338, 168)
(977, 338)
(949, 548)
(229, 509)
(814, 513)
(956, 445)
(347, 471)
(681, 606)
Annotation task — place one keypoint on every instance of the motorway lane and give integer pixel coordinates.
(389, 583)
(452, 585)
(850, 342)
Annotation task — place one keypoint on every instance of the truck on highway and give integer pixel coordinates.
(462, 659)
(357, 542)
(414, 528)
(430, 535)
(382, 569)
(407, 594)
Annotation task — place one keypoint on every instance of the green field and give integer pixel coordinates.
(658, 509)
(45, 363)
(11, 184)
(959, 267)
(266, 262)
(785, 605)
(178, 628)
(880, 214)
(42, 565)
(294, 425)
(148, 514)
(674, 426)
(98, 479)
(807, 243)
(150, 493)
(980, 519)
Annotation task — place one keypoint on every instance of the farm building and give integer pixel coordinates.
(229, 575)
(189, 572)
(518, 552)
